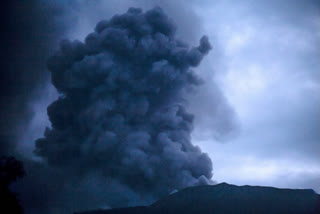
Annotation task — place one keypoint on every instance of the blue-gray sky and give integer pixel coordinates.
(271, 80)
(257, 114)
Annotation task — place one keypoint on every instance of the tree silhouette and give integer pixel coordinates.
(10, 170)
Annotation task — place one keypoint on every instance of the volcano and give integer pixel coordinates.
(224, 198)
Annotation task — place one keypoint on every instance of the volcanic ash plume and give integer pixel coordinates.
(121, 110)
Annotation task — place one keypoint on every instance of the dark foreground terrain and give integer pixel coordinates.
(229, 199)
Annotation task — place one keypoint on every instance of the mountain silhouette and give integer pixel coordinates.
(229, 199)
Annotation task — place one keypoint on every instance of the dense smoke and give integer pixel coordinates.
(121, 111)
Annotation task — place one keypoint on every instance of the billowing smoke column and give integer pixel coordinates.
(121, 108)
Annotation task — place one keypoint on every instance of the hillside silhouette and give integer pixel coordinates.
(229, 199)
(10, 170)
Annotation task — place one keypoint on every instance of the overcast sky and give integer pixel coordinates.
(271, 79)
(257, 113)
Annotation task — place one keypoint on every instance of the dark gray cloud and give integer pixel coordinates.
(214, 115)
(120, 119)
(26, 91)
